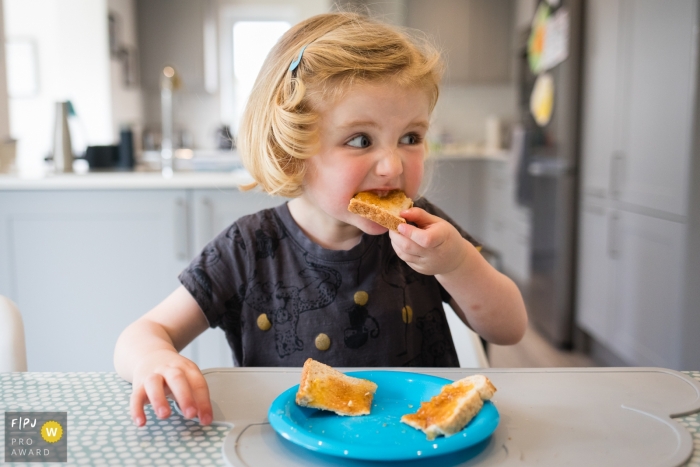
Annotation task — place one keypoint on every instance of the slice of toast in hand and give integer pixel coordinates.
(323, 387)
(452, 409)
(384, 210)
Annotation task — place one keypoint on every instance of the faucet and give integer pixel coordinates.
(169, 82)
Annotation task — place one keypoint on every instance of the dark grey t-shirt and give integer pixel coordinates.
(281, 298)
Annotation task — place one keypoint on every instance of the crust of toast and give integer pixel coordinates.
(325, 388)
(384, 210)
(453, 408)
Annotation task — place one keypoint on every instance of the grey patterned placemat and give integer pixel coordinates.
(100, 431)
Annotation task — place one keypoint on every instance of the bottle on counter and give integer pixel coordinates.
(62, 148)
(126, 148)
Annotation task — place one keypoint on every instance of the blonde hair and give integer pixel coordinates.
(278, 130)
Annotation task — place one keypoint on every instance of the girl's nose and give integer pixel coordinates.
(389, 164)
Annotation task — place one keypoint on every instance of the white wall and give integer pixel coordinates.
(4, 107)
(462, 110)
(72, 54)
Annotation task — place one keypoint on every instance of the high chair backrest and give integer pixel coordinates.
(470, 350)
(13, 352)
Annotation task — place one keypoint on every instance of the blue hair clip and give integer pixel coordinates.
(296, 62)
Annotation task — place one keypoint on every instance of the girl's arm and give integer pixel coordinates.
(487, 301)
(147, 355)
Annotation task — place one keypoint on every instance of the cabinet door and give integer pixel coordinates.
(82, 265)
(647, 313)
(659, 60)
(595, 282)
(213, 211)
(599, 100)
(457, 186)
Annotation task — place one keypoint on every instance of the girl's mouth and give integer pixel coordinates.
(382, 193)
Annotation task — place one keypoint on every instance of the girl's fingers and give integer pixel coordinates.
(405, 244)
(419, 216)
(425, 237)
(177, 381)
(201, 397)
(156, 394)
(137, 401)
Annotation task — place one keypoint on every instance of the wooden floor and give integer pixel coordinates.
(534, 352)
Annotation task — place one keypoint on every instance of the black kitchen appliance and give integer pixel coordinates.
(547, 182)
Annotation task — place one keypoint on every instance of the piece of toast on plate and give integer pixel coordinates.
(384, 210)
(323, 387)
(452, 409)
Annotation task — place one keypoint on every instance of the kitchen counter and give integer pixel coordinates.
(125, 180)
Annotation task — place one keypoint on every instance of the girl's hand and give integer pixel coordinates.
(433, 247)
(164, 373)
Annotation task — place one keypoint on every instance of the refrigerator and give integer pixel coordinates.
(548, 164)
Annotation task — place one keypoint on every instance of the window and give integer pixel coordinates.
(252, 41)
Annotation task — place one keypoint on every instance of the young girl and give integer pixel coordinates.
(341, 105)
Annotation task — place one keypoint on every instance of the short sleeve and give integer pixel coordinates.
(215, 277)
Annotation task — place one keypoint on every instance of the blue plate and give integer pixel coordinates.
(379, 435)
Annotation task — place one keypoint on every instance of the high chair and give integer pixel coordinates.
(13, 352)
(470, 350)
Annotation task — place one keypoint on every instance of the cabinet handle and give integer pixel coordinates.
(617, 169)
(181, 234)
(613, 235)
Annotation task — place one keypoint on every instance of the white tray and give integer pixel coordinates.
(549, 417)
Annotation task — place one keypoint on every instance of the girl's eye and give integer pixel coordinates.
(410, 139)
(360, 141)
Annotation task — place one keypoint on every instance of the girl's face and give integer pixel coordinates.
(371, 139)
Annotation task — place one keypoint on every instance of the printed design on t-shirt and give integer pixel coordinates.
(209, 256)
(316, 288)
(231, 320)
(435, 342)
(400, 275)
(362, 324)
(268, 236)
(234, 234)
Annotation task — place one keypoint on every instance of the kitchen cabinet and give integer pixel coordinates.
(630, 290)
(636, 152)
(83, 264)
(637, 103)
(648, 268)
(476, 36)
(456, 185)
(479, 194)
(213, 211)
(510, 225)
(596, 281)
